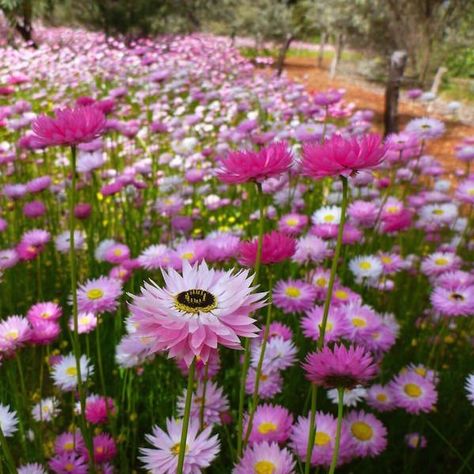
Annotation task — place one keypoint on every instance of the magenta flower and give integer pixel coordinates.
(272, 423)
(69, 126)
(341, 157)
(276, 247)
(340, 367)
(263, 458)
(196, 311)
(99, 295)
(369, 435)
(96, 409)
(244, 166)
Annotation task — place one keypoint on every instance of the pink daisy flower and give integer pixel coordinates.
(265, 458)
(99, 295)
(413, 393)
(369, 435)
(293, 296)
(159, 256)
(292, 224)
(96, 409)
(47, 311)
(162, 458)
(277, 329)
(380, 397)
(279, 354)
(340, 156)
(310, 249)
(337, 326)
(276, 247)
(105, 448)
(69, 463)
(117, 253)
(363, 213)
(67, 443)
(440, 262)
(216, 403)
(221, 246)
(244, 166)
(324, 440)
(196, 311)
(415, 440)
(271, 423)
(340, 367)
(69, 126)
(455, 302)
(271, 383)
(15, 331)
(44, 332)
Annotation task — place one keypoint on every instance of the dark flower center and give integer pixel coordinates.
(338, 381)
(195, 301)
(456, 297)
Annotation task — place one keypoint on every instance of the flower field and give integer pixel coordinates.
(209, 269)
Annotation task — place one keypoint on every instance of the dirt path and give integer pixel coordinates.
(366, 96)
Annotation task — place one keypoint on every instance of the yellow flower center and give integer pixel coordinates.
(84, 320)
(187, 255)
(441, 261)
(412, 390)
(99, 449)
(381, 397)
(195, 301)
(95, 294)
(322, 438)
(471, 192)
(421, 371)
(267, 427)
(392, 209)
(329, 326)
(329, 218)
(264, 467)
(12, 335)
(69, 467)
(118, 252)
(292, 222)
(362, 431)
(71, 371)
(365, 265)
(263, 377)
(321, 282)
(359, 322)
(45, 315)
(175, 449)
(292, 291)
(386, 259)
(68, 446)
(438, 212)
(341, 294)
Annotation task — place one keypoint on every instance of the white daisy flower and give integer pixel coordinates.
(470, 388)
(46, 410)
(327, 215)
(8, 420)
(366, 267)
(64, 373)
(351, 396)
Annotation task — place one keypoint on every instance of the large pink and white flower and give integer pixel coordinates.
(196, 311)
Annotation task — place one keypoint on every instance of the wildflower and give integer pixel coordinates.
(69, 126)
(293, 296)
(351, 397)
(271, 423)
(337, 326)
(244, 166)
(338, 156)
(368, 434)
(162, 458)
(413, 392)
(99, 295)
(64, 373)
(264, 458)
(380, 397)
(340, 367)
(196, 311)
(366, 267)
(8, 420)
(276, 247)
(46, 410)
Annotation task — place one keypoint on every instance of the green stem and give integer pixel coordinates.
(75, 335)
(340, 409)
(187, 411)
(246, 363)
(260, 364)
(322, 327)
(203, 397)
(7, 453)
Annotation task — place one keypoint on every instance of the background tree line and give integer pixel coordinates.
(433, 32)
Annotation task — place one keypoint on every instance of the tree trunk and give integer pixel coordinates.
(337, 57)
(322, 44)
(398, 62)
(282, 55)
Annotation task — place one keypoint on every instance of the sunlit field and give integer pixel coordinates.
(207, 268)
